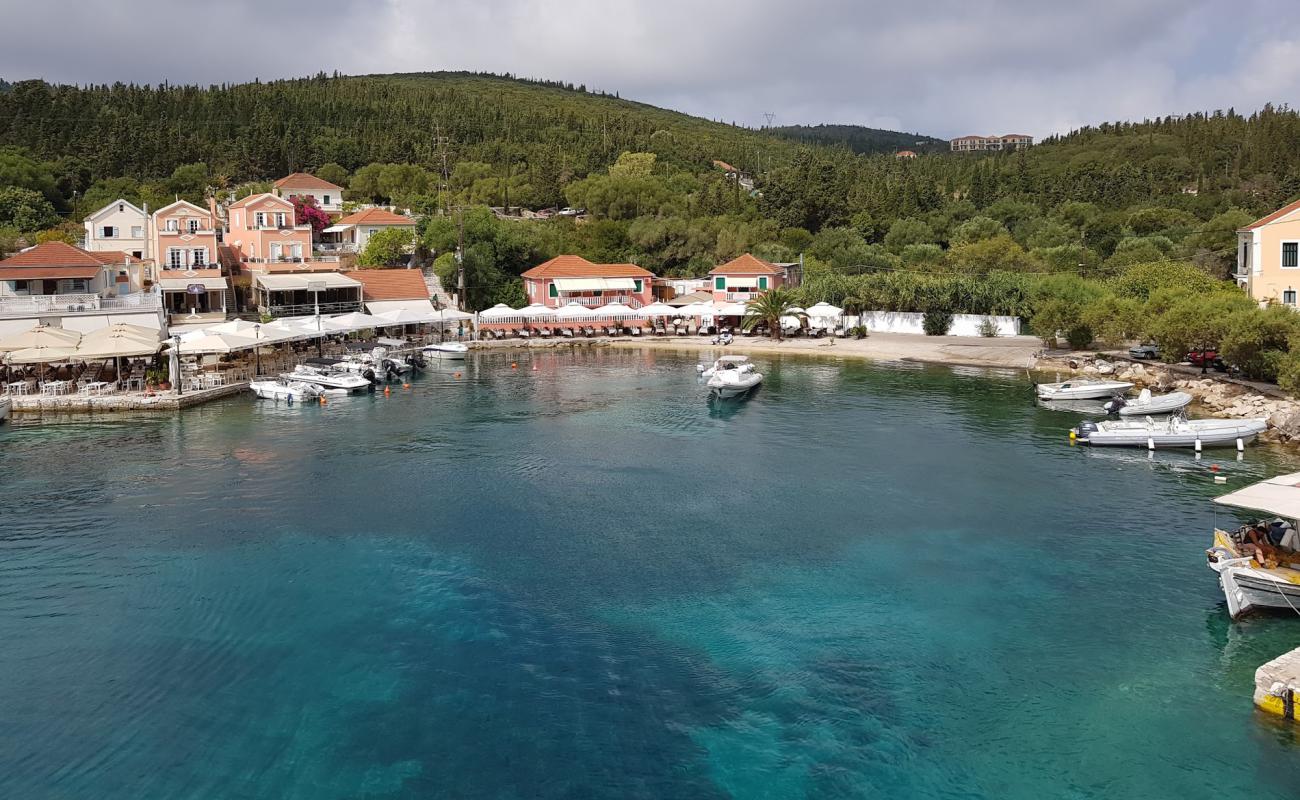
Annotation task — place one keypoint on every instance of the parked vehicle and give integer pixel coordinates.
(1207, 358)
(1148, 351)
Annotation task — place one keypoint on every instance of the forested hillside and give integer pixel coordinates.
(860, 140)
(1060, 233)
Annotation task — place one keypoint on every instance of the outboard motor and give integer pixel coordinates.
(391, 372)
(1114, 404)
(415, 361)
(1085, 429)
(369, 374)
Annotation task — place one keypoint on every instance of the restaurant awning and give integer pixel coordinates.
(335, 229)
(183, 284)
(1279, 496)
(385, 306)
(741, 282)
(593, 284)
(306, 281)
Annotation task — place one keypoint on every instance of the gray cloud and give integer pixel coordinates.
(941, 67)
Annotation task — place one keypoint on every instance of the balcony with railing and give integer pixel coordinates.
(334, 247)
(48, 304)
(596, 302)
(292, 260)
(309, 309)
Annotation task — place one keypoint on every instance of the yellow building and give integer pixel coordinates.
(1268, 256)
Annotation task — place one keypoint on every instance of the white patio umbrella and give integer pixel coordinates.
(455, 315)
(216, 343)
(658, 310)
(239, 327)
(498, 312)
(574, 311)
(352, 321)
(405, 316)
(697, 309)
(796, 310)
(729, 309)
(40, 336)
(41, 355)
(537, 311)
(824, 309)
(112, 342)
(616, 310)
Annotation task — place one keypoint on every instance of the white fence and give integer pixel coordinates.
(911, 322)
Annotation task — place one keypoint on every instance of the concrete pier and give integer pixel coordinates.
(1277, 685)
(34, 406)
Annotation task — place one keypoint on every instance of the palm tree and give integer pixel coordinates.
(768, 308)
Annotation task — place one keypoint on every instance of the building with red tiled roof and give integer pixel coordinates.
(1268, 256)
(905, 154)
(328, 196)
(745, 277)
(58, 268)
(351, 233)
(393, 289)
(573, 279)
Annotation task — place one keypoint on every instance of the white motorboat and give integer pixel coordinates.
(1147, 404)
(328, 378)
(289, 391)
(455, 351)
(6, 405)
(1081, 389)
(1259, 565)
(1172, 432)
(732, 376)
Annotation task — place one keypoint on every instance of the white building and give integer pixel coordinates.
(328, 196)
(119, 226)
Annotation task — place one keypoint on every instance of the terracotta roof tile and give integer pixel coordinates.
(305, 180)
(1262, 221)
(49, 272)
(391, 284)
(569, 266)
(113, 257)
(747, 265)
(375, 216)
(52, 254)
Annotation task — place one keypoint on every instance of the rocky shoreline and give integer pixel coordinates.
(1216, 397)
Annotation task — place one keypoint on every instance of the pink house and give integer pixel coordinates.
(574, 279)
(263, 229)
(187, 267)
(744, 278)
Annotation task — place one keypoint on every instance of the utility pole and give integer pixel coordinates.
(460, 257)
(441, 143)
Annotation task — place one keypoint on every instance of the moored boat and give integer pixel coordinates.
(455, 351)
(1147, 404)
(329, 378)
(289, 391)
(1081, 389)
(6, 405)
(1259, 564)
(1173, 432)
(732, 376)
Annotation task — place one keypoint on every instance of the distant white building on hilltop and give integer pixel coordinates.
(1012, 141)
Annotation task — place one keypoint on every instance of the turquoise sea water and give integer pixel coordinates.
(580, 581)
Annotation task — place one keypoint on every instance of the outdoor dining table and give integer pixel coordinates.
(19, 387)
(56, 387)
(96, 387)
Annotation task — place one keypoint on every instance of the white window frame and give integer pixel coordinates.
(199, 256)
(259, 220)
(1281, 253)
(108, 231)
(171, 226)
(193, 225)
(137, 231)
(279, 219)
(1290, 302)
(176, 258)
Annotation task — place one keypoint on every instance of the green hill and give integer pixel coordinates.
(860, 140)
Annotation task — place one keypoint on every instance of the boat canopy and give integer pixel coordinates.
(1279, 496)
(732, 359)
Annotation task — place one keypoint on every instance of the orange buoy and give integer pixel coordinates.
(323, 401)
(534, 368)
(388, 390)
(457, 374)
(1214, 468)
(406, 386)
(514, 365)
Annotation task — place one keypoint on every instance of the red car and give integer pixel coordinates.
(1206, 358)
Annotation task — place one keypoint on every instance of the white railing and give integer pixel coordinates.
(335, 247)
(309, 309)
(74, 303)
(741, 296)
(597, 302)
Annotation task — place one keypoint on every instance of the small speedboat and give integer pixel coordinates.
(289, 391)
(1147, 404)
(1081, 389)
(6, 405)
(1173, 432)
(455, 351)
(732, 376)
(329, 378)
(1259, 565)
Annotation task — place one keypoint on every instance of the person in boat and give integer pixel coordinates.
(1272, 543)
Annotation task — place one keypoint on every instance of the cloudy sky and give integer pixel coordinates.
(938, 67)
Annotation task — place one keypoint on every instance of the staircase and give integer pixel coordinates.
(437, 292)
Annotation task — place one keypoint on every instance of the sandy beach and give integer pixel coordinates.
(1015, 352)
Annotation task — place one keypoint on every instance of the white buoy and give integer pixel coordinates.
(1198, 444)
(1220, 478)
(1151, 443)
(1241, 445)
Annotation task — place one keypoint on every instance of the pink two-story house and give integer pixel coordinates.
(188, 272)
(574, 279)
(744, 278)
(263, 229)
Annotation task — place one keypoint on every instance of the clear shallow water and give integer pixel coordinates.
(580, 581)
